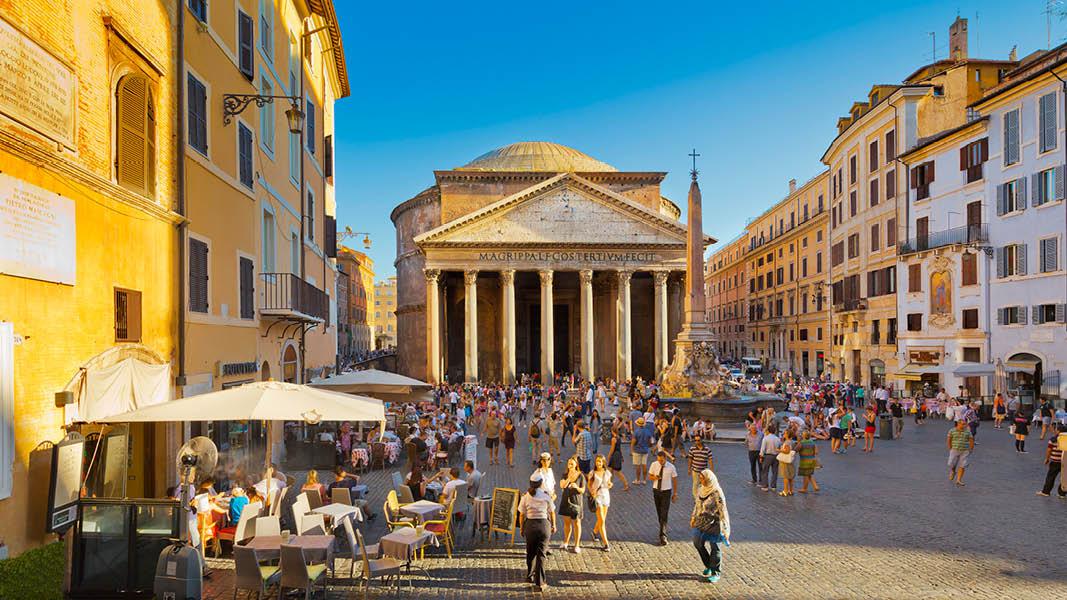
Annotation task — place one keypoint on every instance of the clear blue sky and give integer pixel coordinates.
(756, 88)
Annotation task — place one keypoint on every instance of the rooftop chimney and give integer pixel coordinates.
(957, 39)
(792, 186)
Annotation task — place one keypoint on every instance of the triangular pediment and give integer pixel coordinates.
(564, 210)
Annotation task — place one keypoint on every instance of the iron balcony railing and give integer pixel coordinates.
(850, 304)
(287, 295)
(958, 235)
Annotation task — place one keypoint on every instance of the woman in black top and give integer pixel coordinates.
(1022, 428)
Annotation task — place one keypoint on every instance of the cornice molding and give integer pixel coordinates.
(63, 167)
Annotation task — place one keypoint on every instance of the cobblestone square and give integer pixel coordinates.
(886, 525)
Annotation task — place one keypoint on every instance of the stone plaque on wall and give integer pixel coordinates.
(37, 233)
(36, 89)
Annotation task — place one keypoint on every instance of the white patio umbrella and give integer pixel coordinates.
(372, 381)
(262, 401)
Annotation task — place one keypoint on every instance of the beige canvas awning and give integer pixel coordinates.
(1022, 365)
(371, 381)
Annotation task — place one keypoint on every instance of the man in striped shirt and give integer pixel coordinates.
(1054, 460)
(699, 459)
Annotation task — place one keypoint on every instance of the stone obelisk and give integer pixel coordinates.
(695, 369)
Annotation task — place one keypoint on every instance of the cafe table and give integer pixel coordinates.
(317, 548)
(404, 544)
(480, 511)
(338, 512)
(423, 510)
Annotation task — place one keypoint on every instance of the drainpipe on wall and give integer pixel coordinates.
(1063, 84)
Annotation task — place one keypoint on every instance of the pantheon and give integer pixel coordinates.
(536, 258)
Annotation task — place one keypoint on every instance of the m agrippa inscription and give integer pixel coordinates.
(567, 256)
(37, 236)
(36, 89)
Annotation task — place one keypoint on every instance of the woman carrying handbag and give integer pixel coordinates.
(711, 524)
(787, 470)
(570, 505)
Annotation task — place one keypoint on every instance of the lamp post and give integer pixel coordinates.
(235, 104)
(347, 233)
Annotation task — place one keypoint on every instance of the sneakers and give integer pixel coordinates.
(714, 578)
(1040, 493)
(577, 549)
(707, 572)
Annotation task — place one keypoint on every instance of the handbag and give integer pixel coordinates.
(590, 502)
(1011, 429)
(787, 458)
(707, 524)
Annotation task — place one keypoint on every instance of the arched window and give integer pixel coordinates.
(135, 135)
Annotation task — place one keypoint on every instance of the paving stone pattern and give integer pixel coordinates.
(886, 525)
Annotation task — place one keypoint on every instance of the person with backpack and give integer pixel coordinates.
(1054, 459)
(534, 435)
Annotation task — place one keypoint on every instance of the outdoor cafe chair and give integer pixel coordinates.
(386, 567)
(312, 524)
(250, 575)
(297, 574)
(377, 455)
(276, 501)
(208, 526)
(244, 528)
(268, 526)
(314, 499)
(398, 480)
(391, 510)
(404, 495)
(301, 507)
(341, 495)
(353, 552)
(442, 528)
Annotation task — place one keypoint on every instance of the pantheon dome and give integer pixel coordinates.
(538, 157)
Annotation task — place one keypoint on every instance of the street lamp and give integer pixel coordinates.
(349, 233)
(235, 104)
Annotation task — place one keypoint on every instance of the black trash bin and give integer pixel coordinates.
(885, 426)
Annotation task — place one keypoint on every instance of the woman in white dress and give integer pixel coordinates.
(600, 489)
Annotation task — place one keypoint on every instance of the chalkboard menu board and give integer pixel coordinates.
(503, 511)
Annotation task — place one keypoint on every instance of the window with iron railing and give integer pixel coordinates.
(127, 315)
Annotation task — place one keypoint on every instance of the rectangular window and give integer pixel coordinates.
(852, 170)
(853, 205)
(245, 51)
(804, 267)
(244, 154)
(1047, 186)
(922, 233)
(891, 331)
(268, 240)
(972, 157)
(780, 274)
(890, 146)
(294, 253)
(915, 278)
(891, 232)
(266, 28)
(1048, 313)
(818, 236)
(1011, 315)
(854, 245)
(818, 262)
(199, 9)
(1011, 196)
(873, 156)
(874, 192)
(1011, 137)
(970, 318)
(969, 266)
(310, 216)
(327, 156)
(876, 332)
(266, 115)
(248, 276)
(198, 269)
(1050, 255)
(1046, 127)
(310, 127)
(915, 322)
(837, 254)
(921, 177)
(875, 241)
(972, 355)
(1011, 260)
(127, 315)
(890, 184)
(197, 114)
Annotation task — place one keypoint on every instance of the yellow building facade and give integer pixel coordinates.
(786, 262)
(726, 289)
(88, 233)
(385, 313)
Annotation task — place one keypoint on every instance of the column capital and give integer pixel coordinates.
(470, 276)
(659, 278)
(507, 276)
(624, 276)
(432, 275)
(586, 276)
(546, 276)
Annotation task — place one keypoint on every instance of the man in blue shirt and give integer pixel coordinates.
(639, 447)
(583, 444)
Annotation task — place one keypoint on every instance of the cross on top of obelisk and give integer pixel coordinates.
(694, 155)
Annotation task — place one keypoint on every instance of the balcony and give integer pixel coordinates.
(287, 297)
(967, 234)
(849, 305)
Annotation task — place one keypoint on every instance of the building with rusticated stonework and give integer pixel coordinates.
(536, 258)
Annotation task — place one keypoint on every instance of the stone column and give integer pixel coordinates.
(470, 279)
(585, 276)
(625, 362)
(433, 325)
(507, 288)
(659, 342)
(547, 327)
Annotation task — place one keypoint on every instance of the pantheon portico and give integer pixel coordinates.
(536, 258)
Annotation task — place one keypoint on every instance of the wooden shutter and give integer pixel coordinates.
(1020, 259)
(1058, 176)
(198, 277)
(131, 155)
(197, 122)
(914, 177)
(915, 278)
(890, 146)
(874, 192)
(983, 145)
(922, 232)
(1035, 199)
(1049, 255)
(311, 144)
(331, 236)
(1011, 137)
(1047, 125)
(1000, 262)
(1020, 193)
(246, 54)
(1035, 311)
(969, 268)
(891, 232)
(1000, 316)
(964, 161)
(1061, 313)
(974, 213)
(244, 150)
(1002, 191)
(928, 171)
(874, 156)
(248, 309)
(327, 156)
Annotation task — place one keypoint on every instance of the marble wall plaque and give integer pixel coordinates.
(37, 232)
(36, 89)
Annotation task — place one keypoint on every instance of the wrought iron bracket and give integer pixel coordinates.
(235, 104)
